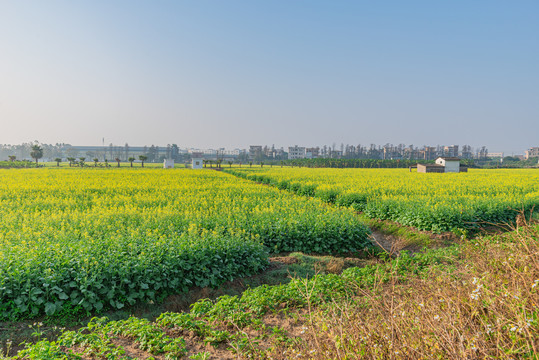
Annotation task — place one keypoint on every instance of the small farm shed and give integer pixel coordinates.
(197, 163)
(168, 164)
(430, 168)
(442, 165)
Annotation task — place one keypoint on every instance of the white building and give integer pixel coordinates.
(235, 152)
(495, 155)
(450, 164)
(296, 152)
(168, 164)
(197, 163)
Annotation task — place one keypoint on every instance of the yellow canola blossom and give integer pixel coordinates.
(436, 202)
(97, 238)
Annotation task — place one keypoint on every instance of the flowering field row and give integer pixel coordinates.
(438, 202)
(90, 239)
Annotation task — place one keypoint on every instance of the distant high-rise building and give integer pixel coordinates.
(451, 151)
(428, 153)
(255, 151)
(296, 152)
(533, 152)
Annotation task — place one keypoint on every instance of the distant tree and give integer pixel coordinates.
(72, 152)
(211, 162)
(229, 163)
(204, 162)
(261, 164)
(81, 161)
(37, 152)
(142, 158)
(152, 153)
(58, 160)
(12, 158)
(219, 163)
(282, 162)
(95, 162)
(106, 163)
(70, 159)
(131, 159)
(175, 152)
(118, 161)
(250, 164)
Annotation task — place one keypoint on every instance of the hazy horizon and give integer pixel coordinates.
(238, 73)
(106, 146)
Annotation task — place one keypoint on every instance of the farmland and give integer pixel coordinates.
(92, 239)
(436, 202)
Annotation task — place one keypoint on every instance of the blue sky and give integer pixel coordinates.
(235, 73)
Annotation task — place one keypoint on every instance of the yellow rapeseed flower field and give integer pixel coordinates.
(89, 239)
(438, 202)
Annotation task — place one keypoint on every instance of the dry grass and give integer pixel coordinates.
(486, 308)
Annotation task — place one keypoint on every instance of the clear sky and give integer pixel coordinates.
(234, 73)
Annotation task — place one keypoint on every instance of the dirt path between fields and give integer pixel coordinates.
(394, 244)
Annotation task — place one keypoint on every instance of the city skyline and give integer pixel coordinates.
(373, 151)
(276, 146)
(337, 146)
